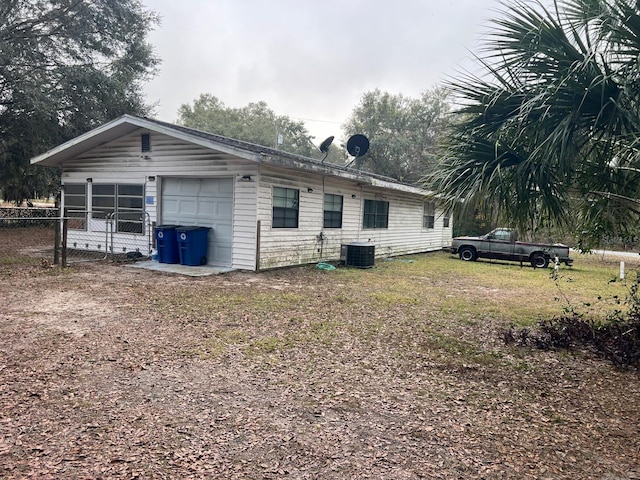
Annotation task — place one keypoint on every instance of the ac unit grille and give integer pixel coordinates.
(358, 254)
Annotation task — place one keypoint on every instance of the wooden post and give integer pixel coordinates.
(56, 242)
(258, 246)
(64, 243)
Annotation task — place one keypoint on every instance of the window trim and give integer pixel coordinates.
(379, 218)
(285, 216)
(332, 213)
(428, 215)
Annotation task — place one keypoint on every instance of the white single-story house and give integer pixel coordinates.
(266, 208)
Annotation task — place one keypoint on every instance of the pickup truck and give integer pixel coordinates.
(503, 244)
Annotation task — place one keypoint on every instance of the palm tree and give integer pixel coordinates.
(550, 129)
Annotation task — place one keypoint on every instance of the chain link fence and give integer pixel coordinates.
(28, 236)
(39, 235)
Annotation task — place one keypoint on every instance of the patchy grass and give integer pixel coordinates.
(448, 303)
(398, 371)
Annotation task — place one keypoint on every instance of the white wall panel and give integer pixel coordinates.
(121, 161)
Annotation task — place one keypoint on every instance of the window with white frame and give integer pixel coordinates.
(285, 207)
(332, 211)
(429, 215)
(122, 202)
(376, 214)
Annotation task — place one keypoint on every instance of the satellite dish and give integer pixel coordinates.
(357, 145)
(324, 146)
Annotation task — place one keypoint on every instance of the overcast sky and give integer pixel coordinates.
(310, 60)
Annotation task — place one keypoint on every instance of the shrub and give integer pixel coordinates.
(617, 338)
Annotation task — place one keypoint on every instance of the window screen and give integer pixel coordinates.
(376, 214)
(429, 215)
(75, 205)
(332, 211)
(285, 207)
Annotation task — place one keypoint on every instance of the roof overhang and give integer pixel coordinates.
(128, 124)
(123, 126)
(362, 178)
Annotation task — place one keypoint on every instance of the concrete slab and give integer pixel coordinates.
(199, 271)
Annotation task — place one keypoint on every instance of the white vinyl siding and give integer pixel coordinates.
(121, 161)
(280, 247)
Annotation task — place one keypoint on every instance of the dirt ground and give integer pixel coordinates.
(107, 371)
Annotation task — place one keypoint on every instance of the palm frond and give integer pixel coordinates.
(559, 99)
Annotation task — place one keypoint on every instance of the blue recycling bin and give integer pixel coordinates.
(193, 245)
(167, 244)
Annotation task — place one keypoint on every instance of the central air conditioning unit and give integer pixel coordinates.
(358, 254)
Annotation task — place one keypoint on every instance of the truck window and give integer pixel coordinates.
(503, 235)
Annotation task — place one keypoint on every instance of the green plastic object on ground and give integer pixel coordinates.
(325, 266)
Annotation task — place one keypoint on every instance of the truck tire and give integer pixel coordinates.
(468, 254)
(539, 260)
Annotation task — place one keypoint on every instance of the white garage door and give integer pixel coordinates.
(204, 202)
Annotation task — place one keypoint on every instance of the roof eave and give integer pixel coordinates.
(57, 155)
(123, 126)
(361, 178)
(127, 124)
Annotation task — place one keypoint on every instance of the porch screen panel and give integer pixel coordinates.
(122, 202)
(103, 200)
(130, 208)
(75, 205)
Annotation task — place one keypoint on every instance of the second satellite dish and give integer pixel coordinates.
(324, 146)
(357, 145)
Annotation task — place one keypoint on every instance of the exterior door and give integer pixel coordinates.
(203, 202)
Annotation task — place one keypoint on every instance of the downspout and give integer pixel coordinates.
(322, 237)
(360, 212)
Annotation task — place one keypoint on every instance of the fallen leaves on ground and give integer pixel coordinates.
(113, 372)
